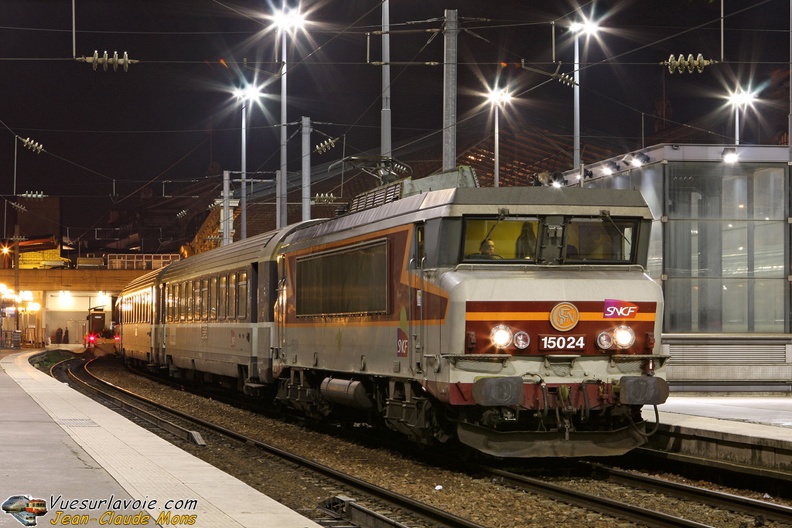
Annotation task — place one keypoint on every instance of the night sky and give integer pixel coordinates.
(172, 114)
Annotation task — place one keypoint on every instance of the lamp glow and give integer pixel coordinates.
(729, 155)
(497, 97)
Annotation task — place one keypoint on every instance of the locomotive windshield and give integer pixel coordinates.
(551, 239)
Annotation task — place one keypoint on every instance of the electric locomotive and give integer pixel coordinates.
(519, 321)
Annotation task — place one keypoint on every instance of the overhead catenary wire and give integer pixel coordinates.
(349, 30)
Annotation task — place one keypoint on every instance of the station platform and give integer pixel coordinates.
(746, 430)
(93, 467)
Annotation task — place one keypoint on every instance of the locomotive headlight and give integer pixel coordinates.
(522, 340)
(605, 340)
(501, 336)
(624, 337)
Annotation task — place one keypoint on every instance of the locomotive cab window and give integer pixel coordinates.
(496, 239)
(601, 239)
(552, 239)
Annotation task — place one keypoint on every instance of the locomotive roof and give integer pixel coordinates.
(490, 200)
(548, 196)
(444, 202)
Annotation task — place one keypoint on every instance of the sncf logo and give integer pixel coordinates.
(615, 309)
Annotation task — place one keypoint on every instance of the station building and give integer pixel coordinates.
(62, 305)
(721, 251)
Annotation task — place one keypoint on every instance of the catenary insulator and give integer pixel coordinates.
(690, 63)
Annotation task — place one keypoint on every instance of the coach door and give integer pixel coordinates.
(415, 319)
(278, 352)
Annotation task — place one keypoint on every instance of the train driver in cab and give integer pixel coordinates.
(487, 251)
(525, 247)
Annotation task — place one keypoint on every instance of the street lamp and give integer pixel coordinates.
(246, 95)
(740, 99)
(497, 97)
(285, 20)
(589, 28)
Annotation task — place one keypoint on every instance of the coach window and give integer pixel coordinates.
(174, 306)
(188, 296)
(168, 303)
(177, 302)
(213, 298)
(196, 300)
(181, 301)
(140, 308)
(222, 298)
(232, 295)
(242, 312)
(204, 299)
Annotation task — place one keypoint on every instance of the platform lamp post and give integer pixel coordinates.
(5, 303)
(740, 100)
(286, 20)
(497, 98)
(38, 149)
(589, 28)
(246, 95)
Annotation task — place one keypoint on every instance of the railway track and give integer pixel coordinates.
(390, 510)
(747, 512)
(759, 509)
(761, 512)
